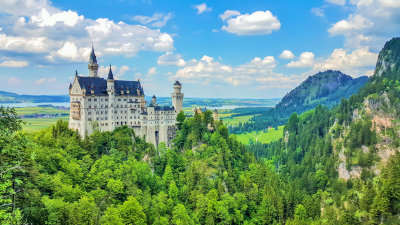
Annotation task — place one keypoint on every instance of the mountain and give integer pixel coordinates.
(332, 166)
(347, 159)
(324, 88)
(8, 97)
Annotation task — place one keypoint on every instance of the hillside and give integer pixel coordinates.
(324, 88)
(8, 97)
(348, 157)
(333, 166)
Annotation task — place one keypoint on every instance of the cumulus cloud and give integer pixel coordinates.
(258, 72)
(152, 71)
(202, 8)
(337, 2)
(51, 35)
(14, 63)
(118, 72)
(171, 59)
(286, 54)
(318, 12)
(228, 14)
(306, 59)
(45, 80)
(157, 20)
(370, 24)
(257, 23)
(356, 63)
(14, 81)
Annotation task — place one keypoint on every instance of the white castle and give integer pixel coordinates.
(104, 104)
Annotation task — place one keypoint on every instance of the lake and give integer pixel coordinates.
(32, 104)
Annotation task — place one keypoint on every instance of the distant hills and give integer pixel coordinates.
(8, 97)
(324, 88)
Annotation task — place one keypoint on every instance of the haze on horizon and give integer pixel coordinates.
(234, 49)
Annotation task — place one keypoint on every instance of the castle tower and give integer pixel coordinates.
(111, 96)
(154, 100)
(215, 115)
(93, 66)
(177, 97)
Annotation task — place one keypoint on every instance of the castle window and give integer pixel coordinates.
(106, 99)
(89, 99)
(89, 113)
(89, 119)
(119, 99)
(95, 99)
(125, 99)
(90, 106)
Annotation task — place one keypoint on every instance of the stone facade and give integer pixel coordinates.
(104, 104)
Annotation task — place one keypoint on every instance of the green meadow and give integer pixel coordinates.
(261, 136)
(35, 124)
(40, 110)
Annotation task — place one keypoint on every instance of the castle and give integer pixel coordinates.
(104, 104)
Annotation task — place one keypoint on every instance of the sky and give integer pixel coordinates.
(216, 49)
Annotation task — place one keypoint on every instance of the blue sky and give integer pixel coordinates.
(240, 49)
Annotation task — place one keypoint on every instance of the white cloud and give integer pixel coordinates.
(228, 14)
(51, 35)
(258, 73)
(45, 80)
(353, 24)
(201, 8)
(14, 63)
(318, 12)
(337, 2)
(355, 63)
(171, 59)
(257, 23)
(286, 54)
(23, 44)
(122, 38)
(14, 81)
(44, 18)
(306, 59)
(370, 24)
(118, 72)
(152, 71)
(157, 20)
(70, 52)
(390, 3)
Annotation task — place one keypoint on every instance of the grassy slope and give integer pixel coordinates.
(35, 124)
(271, 135)
(40, 110)
(235, 120)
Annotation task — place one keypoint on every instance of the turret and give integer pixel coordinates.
(215, 115)
(177, 97)
(111, 93)
(93, 66)
(154, 100)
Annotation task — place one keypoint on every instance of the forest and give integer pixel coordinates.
(207, 176)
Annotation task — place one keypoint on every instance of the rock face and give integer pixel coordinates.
(379, 104)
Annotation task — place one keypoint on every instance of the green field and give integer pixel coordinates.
(236, 119)
(260, 136)
(40, 110)
(35, 124)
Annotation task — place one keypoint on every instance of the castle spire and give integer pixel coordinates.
(110, 74)
(92, 58)
(93, 66)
